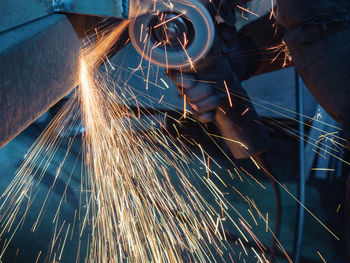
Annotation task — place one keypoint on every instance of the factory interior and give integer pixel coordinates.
(103, 158)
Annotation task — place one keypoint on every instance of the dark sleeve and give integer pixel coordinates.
(262, 42)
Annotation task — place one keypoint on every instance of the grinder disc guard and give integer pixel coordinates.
(172, 34)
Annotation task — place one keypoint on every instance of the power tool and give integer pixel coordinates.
(178, 34)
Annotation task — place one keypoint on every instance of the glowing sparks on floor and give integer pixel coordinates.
(136, 212)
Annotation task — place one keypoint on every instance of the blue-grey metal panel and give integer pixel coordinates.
(38, 66)
(17, 12)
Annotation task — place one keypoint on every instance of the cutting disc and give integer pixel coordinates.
(175, 34)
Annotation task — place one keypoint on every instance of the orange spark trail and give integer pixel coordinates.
(228, 93)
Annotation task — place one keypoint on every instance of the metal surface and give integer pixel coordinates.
(14, 13)
(108, 8)
(17, 12)
(38, 66)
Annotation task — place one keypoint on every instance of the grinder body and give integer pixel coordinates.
(180, 34)
(155, 35)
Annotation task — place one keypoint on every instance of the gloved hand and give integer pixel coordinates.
(204, 85)
(206, 88)
(200, 95)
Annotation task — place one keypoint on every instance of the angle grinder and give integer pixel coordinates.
(177, 35)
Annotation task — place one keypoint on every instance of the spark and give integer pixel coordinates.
(245, 111)
(135, 208)
(251, 176)
(228, 139)
(323, 169)
(338, 208)
(281, 49)
(321, 257)
(272, 13)
(37, 259)
(185, 103)
(255, 163)
(170, 19)
(166, 84)
(320, 154)
(246, 18)
(222, 110)
(64, 242)
(228, 93)
(250, 212)
(141, 30)
(189, 59)
(247, 10)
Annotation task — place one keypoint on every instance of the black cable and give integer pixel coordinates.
(301, 182)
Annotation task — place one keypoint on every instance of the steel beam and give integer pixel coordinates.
(108, 8)
(17, 12)
(14, 13)
(38, 66)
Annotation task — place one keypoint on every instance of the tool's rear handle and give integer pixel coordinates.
(241, 126)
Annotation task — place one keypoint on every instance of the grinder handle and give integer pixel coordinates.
(240, 124)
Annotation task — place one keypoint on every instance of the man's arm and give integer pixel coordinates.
(261, 41)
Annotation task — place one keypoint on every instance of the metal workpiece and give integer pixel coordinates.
(125, 9)
(107, 8)
(14, 13)
(38, 66)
